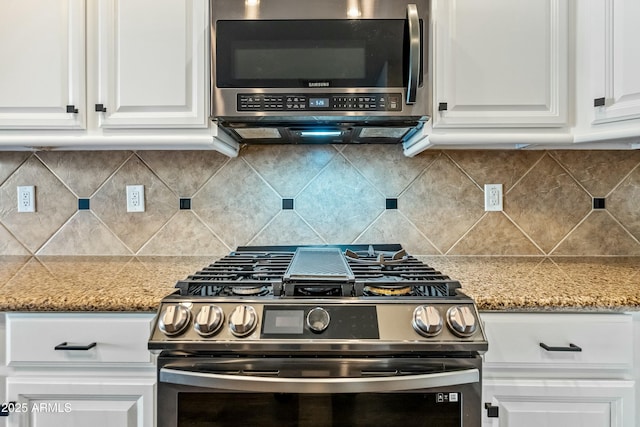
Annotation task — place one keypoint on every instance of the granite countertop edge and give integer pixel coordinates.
(498, 284)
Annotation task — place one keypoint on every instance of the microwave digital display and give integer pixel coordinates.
(319, 102)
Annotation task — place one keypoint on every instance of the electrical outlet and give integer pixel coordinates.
(493, 197)
(26, 198)
(135, 198)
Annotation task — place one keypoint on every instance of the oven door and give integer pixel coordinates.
(298, 392)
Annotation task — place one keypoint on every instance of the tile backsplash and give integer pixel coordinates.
(555, 202)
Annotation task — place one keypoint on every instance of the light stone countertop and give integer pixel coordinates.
(496, 283)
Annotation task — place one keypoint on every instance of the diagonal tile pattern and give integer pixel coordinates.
(598, 171)
(185, 172)
(83, 171)
(184, 234)
(338, 195)
(339, 203)
(9, 162)
(134, 228)
(429, 204)
(54, 204)
(387, 168)
(236, 203)
(494, 234)
(547, 203)
(624, 203)
(278, 164)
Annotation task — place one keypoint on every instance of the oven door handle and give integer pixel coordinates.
(414, 53)
(255, 384)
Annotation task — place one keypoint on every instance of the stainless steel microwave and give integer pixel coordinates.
(335, 71)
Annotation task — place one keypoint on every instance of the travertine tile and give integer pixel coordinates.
(393, 227)
(547, 203)
(54, 204)
(287, 228)
(184, 234)
(185, 172)
(624, 203)
(598, 171)
(339, 203)
(10, 161)
(443, 203)
(134, 228)
(386, 167)
(504, 167)
(289, 168)
(9, 245)
(83, 171)
(236, 203)
(84, 234)
(10, 265)
(599, 234)
(494, 234)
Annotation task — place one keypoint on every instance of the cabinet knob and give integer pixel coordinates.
(442, 106)
(100, 108)
(72, 109)
(598, 102)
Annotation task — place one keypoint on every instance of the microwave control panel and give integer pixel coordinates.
(320, 102)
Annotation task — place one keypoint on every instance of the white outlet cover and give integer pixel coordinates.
(493, 197)
(26, 198)
(135, 198)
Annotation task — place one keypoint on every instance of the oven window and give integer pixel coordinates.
(310, 53)
(315, 410)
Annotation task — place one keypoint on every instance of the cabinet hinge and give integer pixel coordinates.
(492, 411)
(442, 106)
(598, 102)
(72, 109)
(100, 108)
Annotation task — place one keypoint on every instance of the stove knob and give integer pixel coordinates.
(208, 320)
(427, 320)
(318, 319)
(242, 320)
(174, 319)
(461, 321)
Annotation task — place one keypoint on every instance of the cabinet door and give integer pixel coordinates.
(42, 70)
(500, 63)
(616, 63)
(80, 402)
(556, 403)
(151, 63)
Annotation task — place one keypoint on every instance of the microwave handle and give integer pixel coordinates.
(255, 384)
(414, 53)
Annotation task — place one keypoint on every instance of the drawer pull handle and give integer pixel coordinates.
(66, 346)
(572, 347)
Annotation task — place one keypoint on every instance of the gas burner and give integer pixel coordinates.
(373, 290)
(318, 291)
(378, 258)
(249, 290)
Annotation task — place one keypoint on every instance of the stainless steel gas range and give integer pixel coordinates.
(345, 335)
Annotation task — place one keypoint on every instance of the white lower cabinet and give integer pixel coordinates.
(558, 370)
(559, 403)
(80, 402)
(79, 370)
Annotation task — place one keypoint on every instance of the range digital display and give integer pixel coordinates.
(319, 102)
(283, 321)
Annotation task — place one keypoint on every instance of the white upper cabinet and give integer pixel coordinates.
(151, 64)
(500, 63)
(615, 60)
(42, 64)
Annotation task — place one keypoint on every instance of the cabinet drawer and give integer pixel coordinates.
(120, 338)
(601, 341)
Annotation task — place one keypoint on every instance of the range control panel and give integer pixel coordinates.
(320, 102)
